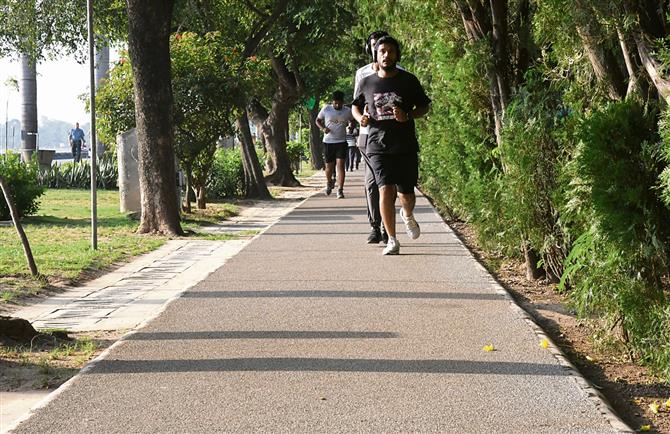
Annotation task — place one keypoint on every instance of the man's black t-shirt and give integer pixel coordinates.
(386, 135)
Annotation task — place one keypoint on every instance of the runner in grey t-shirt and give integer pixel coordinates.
(332, 120)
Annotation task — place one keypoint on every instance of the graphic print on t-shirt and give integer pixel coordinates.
(384, 103)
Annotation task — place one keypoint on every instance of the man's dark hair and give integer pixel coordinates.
(338, 95)
(374, 35)
(388, 40)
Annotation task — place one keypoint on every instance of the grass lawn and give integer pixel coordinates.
(60, 238)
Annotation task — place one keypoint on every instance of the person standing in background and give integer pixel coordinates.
(354, 156)
(77, 139)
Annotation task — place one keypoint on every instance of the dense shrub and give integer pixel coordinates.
(618, 267)
(78, 175)
(22, 181)
(536, 142)
(459, 165)
(227, 176)
(297, 152)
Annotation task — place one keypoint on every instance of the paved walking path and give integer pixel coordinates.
(308, 329)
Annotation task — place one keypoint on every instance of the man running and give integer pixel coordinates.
(388, 102)
(377, 232)
(333, 120)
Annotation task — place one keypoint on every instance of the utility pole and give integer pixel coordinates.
(93, 142)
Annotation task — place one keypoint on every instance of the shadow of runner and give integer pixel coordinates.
(342, 294)
(269, 334)
(329, 365)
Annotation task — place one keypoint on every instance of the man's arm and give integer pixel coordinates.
(322, 126)
(403, 116)
(362, 117)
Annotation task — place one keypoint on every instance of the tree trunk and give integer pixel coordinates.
(315, 143)
(273, 125)
(531, 258)
(604, 64)
(17, 224)
(259, 115)
(254, 183)
(202, 197)
(189, 185)
(500, 50)
(28, 89)
(149, 23)
(275, 135)
(653, 67)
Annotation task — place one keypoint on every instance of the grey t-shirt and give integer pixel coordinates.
(336, 121)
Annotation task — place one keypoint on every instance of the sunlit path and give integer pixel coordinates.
(309, 329)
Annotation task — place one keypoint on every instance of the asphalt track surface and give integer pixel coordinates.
(309, 329)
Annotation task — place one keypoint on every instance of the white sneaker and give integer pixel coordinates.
(411, 226)
(392, 247)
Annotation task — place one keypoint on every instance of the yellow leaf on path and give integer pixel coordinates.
(590, 359)
(637, 401)
(489, 348)
(544, 343)
(645, 428)
(667, 403)
(654, 407)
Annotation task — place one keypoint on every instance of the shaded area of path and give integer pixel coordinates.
(308, 329)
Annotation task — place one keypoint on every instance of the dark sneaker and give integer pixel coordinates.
(329, 188)
(340, 193)
(392, 248)
(385, 237)
(375, 236)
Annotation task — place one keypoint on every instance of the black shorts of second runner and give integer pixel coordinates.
(333, 151)
(401, 170)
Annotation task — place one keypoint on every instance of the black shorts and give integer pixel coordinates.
(333, 151)
(401, 170)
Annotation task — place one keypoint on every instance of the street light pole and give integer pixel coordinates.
(7, 124)
(94, 160)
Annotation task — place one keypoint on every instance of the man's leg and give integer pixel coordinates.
(77, 151)
(371, 189)
(329, 176)
(410, 174)
(340, 173)
(387, 196)
(408, 201)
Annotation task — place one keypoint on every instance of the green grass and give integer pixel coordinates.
(60, 239)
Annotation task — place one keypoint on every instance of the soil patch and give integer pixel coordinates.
(49, 359)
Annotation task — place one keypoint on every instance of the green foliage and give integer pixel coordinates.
(298, 151)
(22, 181)
(78, 175)
(664, 130)
(618, 267)
(459, 165)
(536, 141)
(227, 176)
(115, 103)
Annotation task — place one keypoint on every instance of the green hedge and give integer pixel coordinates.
(227, 177)
(78, 175)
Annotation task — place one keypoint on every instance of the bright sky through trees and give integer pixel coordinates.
(59, 84)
